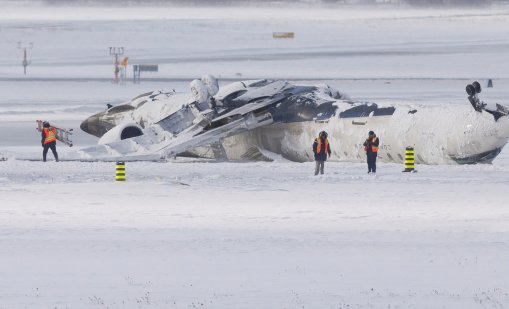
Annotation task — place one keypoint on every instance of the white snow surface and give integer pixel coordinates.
(252, 235)
(201, 234)
(329, 43)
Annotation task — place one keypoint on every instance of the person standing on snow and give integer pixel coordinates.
(321, 148)
(371, 149)
(49, 140)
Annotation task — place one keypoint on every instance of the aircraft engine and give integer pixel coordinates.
(212, 84)
(199, 90)
(121, 132)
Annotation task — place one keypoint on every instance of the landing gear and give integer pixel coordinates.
(474, 88)
(477, 86)
(470, 90)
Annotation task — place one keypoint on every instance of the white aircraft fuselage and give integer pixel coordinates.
(248, 120)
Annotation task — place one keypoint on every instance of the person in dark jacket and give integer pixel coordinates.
(371, 149)
(49, 140)
(321, 149)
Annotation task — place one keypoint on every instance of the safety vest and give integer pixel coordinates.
(124, 61)
(319, 146)
(373, 147)
(50, 135)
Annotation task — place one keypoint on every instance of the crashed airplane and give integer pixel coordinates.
(264, 119)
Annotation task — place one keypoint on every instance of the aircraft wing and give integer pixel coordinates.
(205, 130)
(200, 136)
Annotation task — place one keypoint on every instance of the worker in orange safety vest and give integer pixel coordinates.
(49, 140)
(371, 149)
(321, 148)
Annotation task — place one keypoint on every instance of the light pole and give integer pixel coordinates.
(25, 61)
(116, 51)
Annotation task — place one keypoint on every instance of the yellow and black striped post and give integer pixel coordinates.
(120, 175)
(409, 160)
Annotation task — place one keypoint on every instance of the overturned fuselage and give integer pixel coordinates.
(252, 120)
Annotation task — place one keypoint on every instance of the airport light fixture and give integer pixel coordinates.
(25, 61)
(116, 51)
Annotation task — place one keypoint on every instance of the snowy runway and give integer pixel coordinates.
(245, 235)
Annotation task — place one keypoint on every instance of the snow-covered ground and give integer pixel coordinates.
(201, 234)
(253, 235)
(330, 42)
